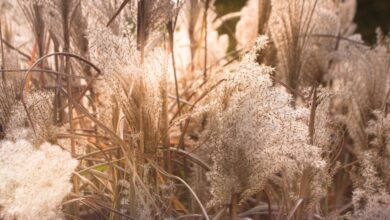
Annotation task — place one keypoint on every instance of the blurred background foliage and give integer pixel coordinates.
(370, 15)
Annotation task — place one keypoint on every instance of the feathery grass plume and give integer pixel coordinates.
(305, 34)
(291, 24)
(151, 14)
(40, 107)
(99, 13)
(135, 90)
(106, 107)
(321, 44)
(257, 145)
(376, 206)
(9, 88)
(253, 21)
(138, 96)
(378, 131)
(112, 52)
(252, 140)
(18, 126)
(112, 55)
(33, 181)
(118, 58)
(141, 105)
(8, 99)
(361, 81)
(346, 11)
(328, 133)
(370, 198)
(248, 25)
(360, 77)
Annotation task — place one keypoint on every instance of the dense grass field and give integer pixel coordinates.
(194, 109)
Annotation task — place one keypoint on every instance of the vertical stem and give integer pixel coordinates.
(65, 11)
(142, 134)
(170, 27)
(207, 3)
(65, 25)
(2, 55)
(167, 156)
(165, 126)
(191, 30)
(304, 192)
(141, 152)
(269, 204)
(58, 119)
(313, 116)
(141, 28)
(40, 36)
(233, 206)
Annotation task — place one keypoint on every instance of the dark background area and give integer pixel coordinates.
(370, 15)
